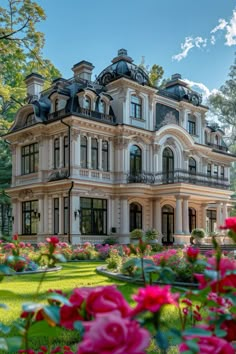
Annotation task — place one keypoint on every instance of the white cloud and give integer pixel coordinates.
(213, 39)
(188, 44)
(231, 31)
(201, 88)
(222, 24)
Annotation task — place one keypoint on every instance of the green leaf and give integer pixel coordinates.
(78, 325)
(220, 332)
(60, 298)
(5, 269)
(60, 257)
(10, 345)
(31, 307)
(4, 329)
(197, 331)
(161, 340)
(42, 328)
(192, 344)
(53, 313)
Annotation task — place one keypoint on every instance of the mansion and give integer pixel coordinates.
(95, 159)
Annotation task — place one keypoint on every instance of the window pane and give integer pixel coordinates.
(85, 202)
(56, 215)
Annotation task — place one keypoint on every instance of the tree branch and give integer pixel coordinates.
(6, 36)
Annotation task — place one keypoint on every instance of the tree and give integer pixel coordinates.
(155, 73)
(20, 52)
(223, 105)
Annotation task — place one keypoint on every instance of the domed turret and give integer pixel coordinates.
(122, 66)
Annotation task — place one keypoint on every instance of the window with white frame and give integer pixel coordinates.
(136, 107)
(83, 151)
(87, 102)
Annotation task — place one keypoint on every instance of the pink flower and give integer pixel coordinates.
(114, 335)
(209, 345)
(230, 224)
(68, 315)
(230, 327)
(53, 240)
(105, 299)
(192, 254)
(152, 298)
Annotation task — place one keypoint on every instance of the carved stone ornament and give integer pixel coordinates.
(75, 134)
(26, 193)
(186, 154)
(170, 142)
(156, 148)
(13, 149)
(121, 142)
(27, 136)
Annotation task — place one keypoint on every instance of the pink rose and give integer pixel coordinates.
(230, 327)
(152, 298)
(209, 345)
(15, 237)
(106, 299)
(114, 335)
(192, 254)
(230, 224)
(53, 240)
(68, 315)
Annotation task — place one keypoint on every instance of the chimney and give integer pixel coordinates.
(34, 84)
(83, 70)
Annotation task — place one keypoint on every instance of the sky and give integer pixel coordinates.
(196, 39)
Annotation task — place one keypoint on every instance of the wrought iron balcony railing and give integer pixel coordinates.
(218, 147)
(179, 176)
(88, 113)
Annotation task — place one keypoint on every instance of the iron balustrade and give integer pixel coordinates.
(178, 176)
(88, 113)
(218, 147)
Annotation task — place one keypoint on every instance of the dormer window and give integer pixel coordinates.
(87, 102)
(102, 107)
(56, 105)
(136, 107)
(191, 124)
(29, 119)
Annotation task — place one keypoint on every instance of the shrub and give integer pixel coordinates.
(136, 233)
(151, 235)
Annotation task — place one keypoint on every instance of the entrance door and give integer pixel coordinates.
(168, 165)
(192, 219)
(167, 224)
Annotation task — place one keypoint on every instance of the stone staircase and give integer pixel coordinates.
(204, 248)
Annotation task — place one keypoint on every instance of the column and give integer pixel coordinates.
(89, 152)
(225, 212)
(50, 216)
(185, 216)
(61, 151)
(45, 211)
(109, 213)
(100, 154)
(40, 215)
(157, 222)
(15, 214)
(51, 154)
(13, 179)
(77, 152)
(204, 216)
(111, 157)
(178, 216)
(18, 217)
(61, 216)
(124, 220)
(75, 217)
(218, 215)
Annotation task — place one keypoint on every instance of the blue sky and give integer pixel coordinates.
(194, 38)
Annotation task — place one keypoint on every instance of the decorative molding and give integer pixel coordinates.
(156, 148)
(170, 142)
(75, 134)
(26, 194)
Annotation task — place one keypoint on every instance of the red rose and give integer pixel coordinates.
(68, 315)
(53, 240)
(15, 237)
(115, 335)
(105, 299)
(230, 224)
(209, 345)
(192, 254)
(230, 327)
(152, 298)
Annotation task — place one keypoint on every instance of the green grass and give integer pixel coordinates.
(24, 288)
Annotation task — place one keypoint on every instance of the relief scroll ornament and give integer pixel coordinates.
(26, 193)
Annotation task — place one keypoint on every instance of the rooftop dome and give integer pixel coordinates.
(122, 66)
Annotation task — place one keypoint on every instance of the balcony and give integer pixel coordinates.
(218, 147)
(87, 113)
(179, 176)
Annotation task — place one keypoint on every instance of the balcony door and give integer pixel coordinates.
(167, 224)
(135, 216)
(135, 160)
(168, 165)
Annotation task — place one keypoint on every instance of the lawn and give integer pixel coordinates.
(16, 290)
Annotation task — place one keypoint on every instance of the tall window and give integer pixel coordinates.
(87, 102)
(191, 127)
(56, 215)
(192, 165)
(105, 163)
(208, 169)
(94, 154)
(135, 160)
(66, 151)
(66, 214)
(222, 172)
(30, 158)
(192, 219)
(168, 165)
(136, 107)
(29, 217)
(56, 153)
(135, 216)
(83, 152)
(211, 220)
(102, 107)
(93, 216)
(217, 140)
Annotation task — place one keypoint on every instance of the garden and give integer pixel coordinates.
(134, 299)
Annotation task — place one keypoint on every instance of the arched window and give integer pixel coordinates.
(135, 160)
(94, 154)
(136, 107)
(135, 216)
(192, 167)
(192, 219)
(102, 107)
(56, 153)
(167, 224)
(87, 102)
(168, 165)
(29, 119)
(83, 152)
(105, 155)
